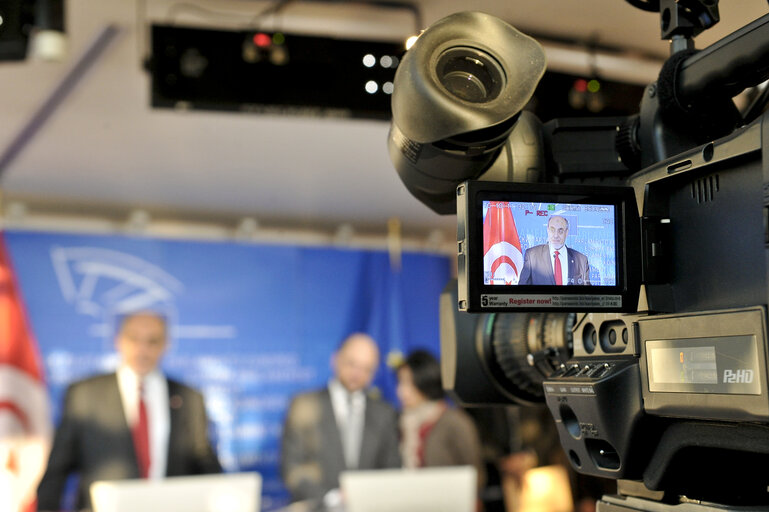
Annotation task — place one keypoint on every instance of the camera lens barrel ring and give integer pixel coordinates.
(509, 340)
(515, 337)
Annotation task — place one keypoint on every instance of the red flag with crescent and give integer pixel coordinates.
(25, 424)
(502, 256)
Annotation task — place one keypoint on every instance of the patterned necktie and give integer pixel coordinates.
(140, 433)
(558, 271)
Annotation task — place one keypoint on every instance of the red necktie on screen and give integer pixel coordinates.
(558, 272)
(141, 437)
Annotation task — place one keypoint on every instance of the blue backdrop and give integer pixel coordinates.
(250, 324)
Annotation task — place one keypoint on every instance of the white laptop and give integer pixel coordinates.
(444, 489)
(226, 492)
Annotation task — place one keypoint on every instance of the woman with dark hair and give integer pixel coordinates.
(433, 433)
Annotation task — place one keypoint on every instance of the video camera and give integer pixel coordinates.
(647, 339)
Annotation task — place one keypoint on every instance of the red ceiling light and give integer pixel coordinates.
(262, 40)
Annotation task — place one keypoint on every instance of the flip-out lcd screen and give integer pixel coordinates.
(545, 247)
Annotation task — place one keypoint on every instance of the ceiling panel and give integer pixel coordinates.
(101, 147)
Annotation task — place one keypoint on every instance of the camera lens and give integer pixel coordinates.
(470, 74)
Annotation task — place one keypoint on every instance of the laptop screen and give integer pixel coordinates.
(448, 489)
(229, 492)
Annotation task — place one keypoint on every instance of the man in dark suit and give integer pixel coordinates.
(553, 263)
(338, 427)
(133, 423)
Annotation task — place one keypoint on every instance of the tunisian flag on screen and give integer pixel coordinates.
(502, 256)
(25, 424)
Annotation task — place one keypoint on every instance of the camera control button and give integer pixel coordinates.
(602, 370)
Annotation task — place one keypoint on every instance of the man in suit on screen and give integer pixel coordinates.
(339, 427)
(554, 263)
(134, 423)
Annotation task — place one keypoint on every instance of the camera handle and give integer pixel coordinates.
(690, 104)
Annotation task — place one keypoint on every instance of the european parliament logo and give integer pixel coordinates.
(104, 284)
(101, 282)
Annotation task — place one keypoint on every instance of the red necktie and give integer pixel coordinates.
(558, 273)
(141, 437)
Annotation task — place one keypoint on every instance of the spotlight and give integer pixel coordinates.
(48, 39)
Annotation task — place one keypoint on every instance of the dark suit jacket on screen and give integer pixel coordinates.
(312, 453)
(93, 438)
(538, 269)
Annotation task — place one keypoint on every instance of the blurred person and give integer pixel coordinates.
(497, 439)
(433, 433)
(339, 427)
(533, 443)
(520, 439)
(134, 423)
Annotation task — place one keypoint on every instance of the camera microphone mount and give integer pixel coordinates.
(681, 20)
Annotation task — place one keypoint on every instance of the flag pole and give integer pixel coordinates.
(394, 243)
(395, 249)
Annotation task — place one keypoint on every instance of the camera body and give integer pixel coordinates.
(662, 394)
(653, 363)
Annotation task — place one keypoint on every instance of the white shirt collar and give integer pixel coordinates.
(336, 388)
(562, 250)
(126, 375)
